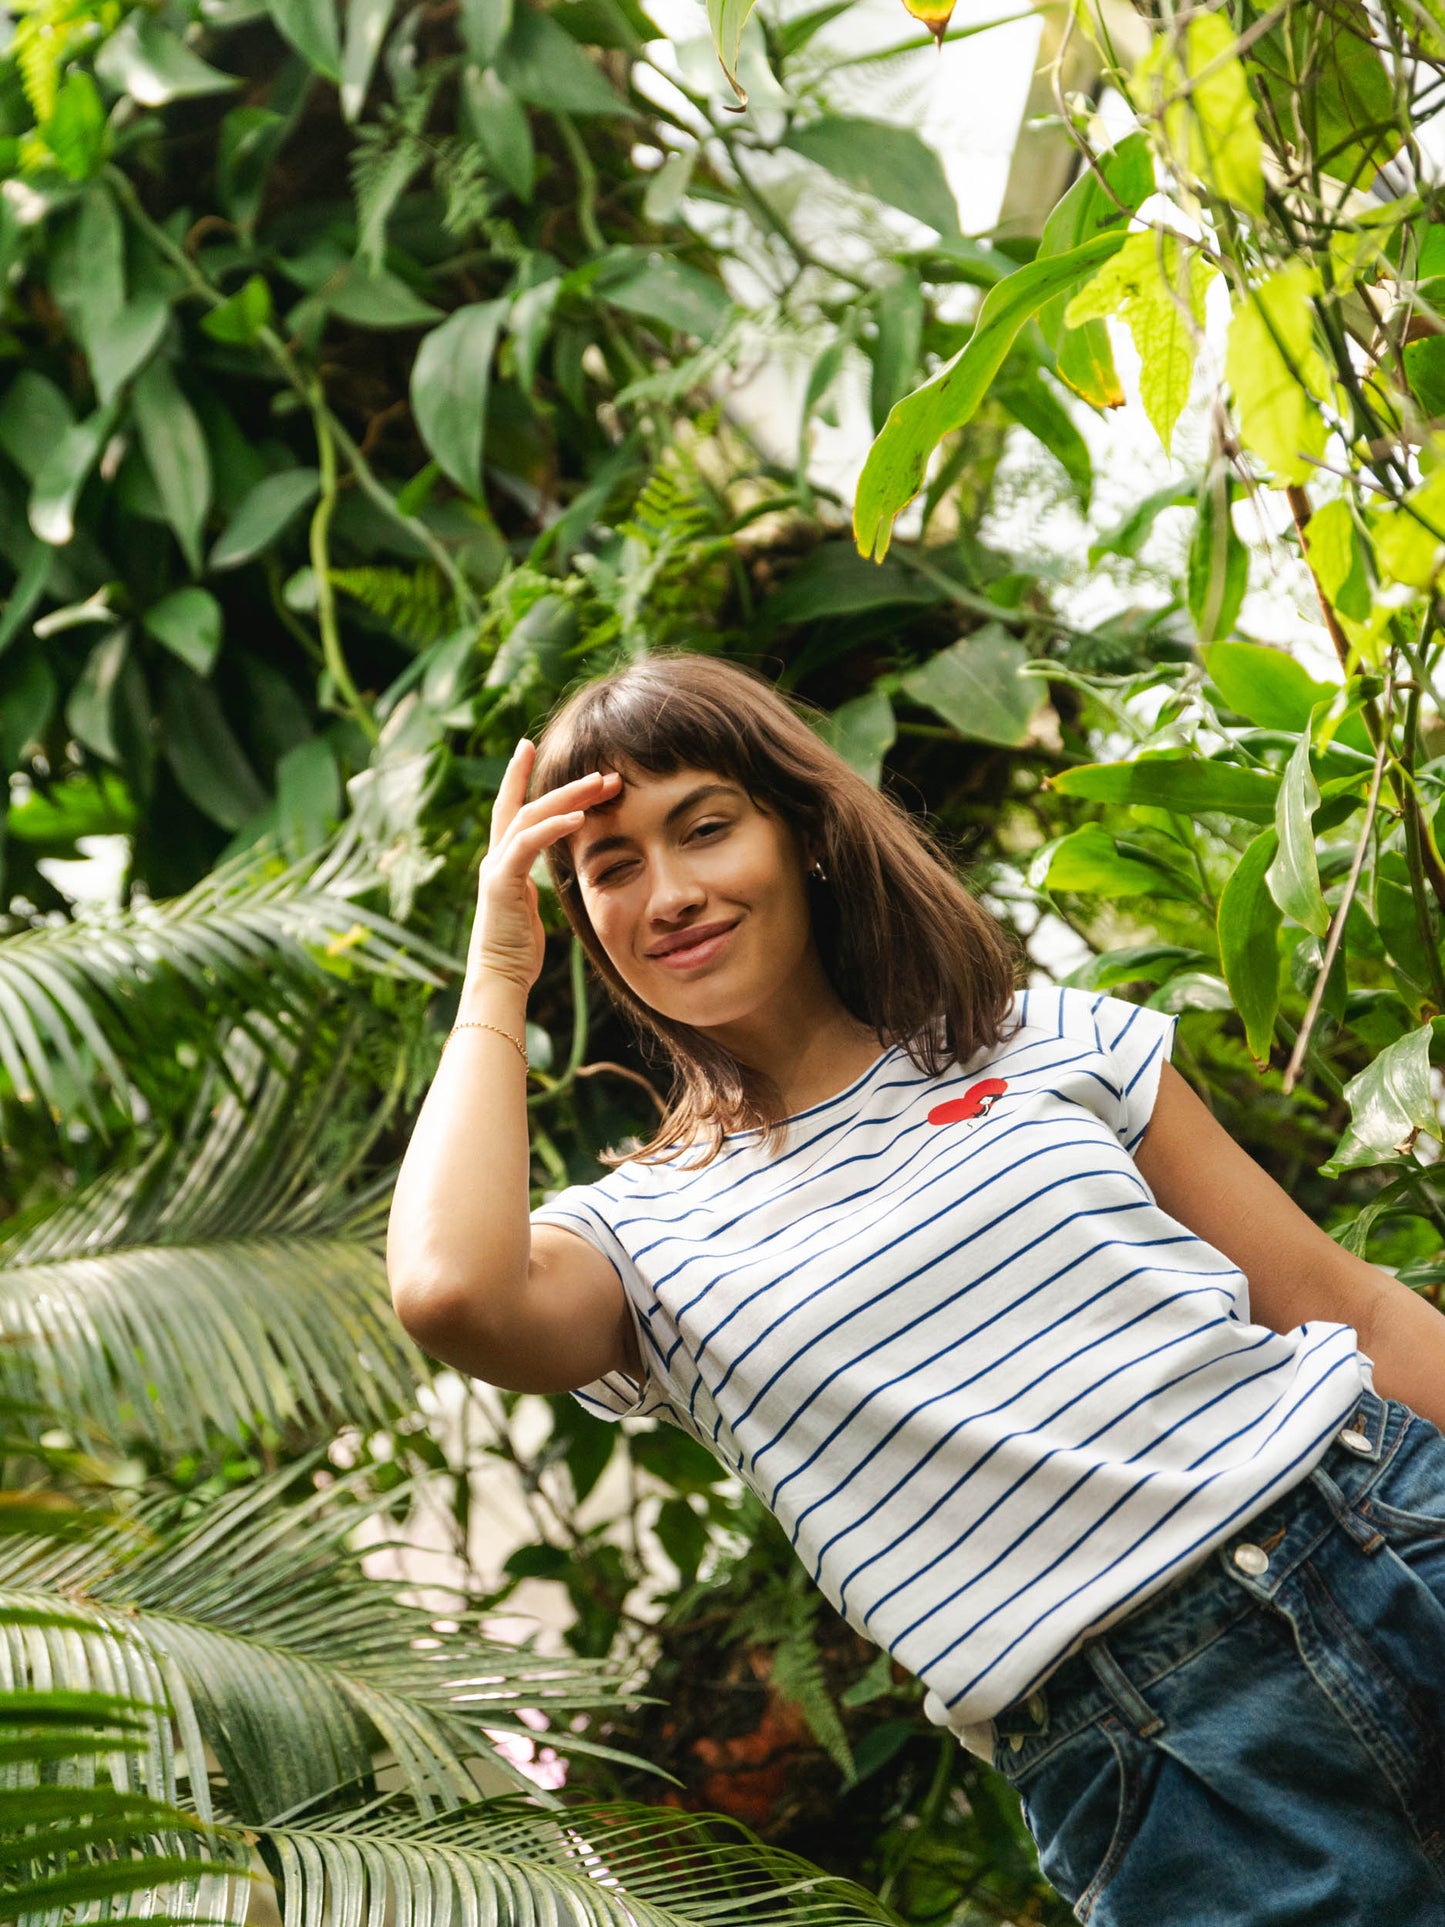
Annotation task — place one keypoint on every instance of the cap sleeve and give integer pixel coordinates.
(617, 1395)
(1137, 1039)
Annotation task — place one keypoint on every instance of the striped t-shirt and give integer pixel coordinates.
(993, 1392)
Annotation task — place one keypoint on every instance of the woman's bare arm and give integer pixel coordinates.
(465, 1279)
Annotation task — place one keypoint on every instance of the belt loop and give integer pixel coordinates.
(1365, 1535)
(1130, 1701)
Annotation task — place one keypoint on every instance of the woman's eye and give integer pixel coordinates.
(605, 876)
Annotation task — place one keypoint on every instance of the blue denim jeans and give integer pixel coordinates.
(1260, 1745)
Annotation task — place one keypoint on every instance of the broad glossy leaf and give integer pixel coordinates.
(1277, 387)
(375, 300)
(449, 382)
(898, 460)
(1293, 875)
(266, 513)
(1391, 1102)
(1267, 686)
(485, 25)
(975, 686)
(1084, 356)
(310, 26)
(1218, 567)
(862, 730)
(176, 454)
(1091, 861)
(144, 59)
(834, 580)
(34, 414)
(1249, 921)
(1185, 784)
(127, 339)
(189, 623)
(887, 163)
(542, 64)
(366, 24)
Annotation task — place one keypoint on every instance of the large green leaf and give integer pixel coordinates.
(366, 25)
(189, 623)
(449, 382)
(1322, 72)
(144, 59)
(1249, 920)
(1093, 861)
(898, 460)
(310, 26)
(64, 472)
(886, 163)
(1185, 784)
(975, 685)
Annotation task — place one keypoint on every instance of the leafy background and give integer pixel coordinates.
(368, 377)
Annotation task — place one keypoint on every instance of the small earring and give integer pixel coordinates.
(819, 872)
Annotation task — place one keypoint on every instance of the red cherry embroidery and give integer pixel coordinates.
(977, 1101)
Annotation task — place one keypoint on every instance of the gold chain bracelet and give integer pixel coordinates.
(474, 1024)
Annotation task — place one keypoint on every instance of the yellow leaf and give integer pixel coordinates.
(935, 15)
(1277, 374)
(1208, 125)
(1408, 539)
(1136, 286)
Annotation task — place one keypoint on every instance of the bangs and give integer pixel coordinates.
(657, 728)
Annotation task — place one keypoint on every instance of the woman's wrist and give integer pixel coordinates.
(487, 996)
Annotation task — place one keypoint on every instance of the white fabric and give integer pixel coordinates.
(993, 1392)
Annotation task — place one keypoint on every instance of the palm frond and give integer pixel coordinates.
(231, 1276)
(593, 1865)
(253, 1617)
(77, 999)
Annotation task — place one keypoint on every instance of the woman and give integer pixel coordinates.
(1060, 1398)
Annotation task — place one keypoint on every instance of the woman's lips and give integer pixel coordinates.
(695, 953)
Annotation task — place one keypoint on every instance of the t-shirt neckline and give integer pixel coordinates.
(823, 1104)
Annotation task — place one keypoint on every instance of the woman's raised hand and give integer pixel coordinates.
(508, 939)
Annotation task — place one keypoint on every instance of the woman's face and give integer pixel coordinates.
(672, 855)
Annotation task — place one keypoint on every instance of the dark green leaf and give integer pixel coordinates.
(542, 64)
(499, 125)
(1293, 876)
(34, 414)
(887, 163)
(266, 513)
(449, 382)
(144, 59)
(667, 291)
(380, 300)
(1186, 784)
(1390, 1101)
(862, 731)
(895, 351)
(682, 1536)
(1249, 921)
(75, 132)
(189, 623)
(834, 580)
(205, 758)
(1092, 861)
(89, 713)
(175, 452)
(1218, 570)
(366, 24)
(1033, 404)
(485, 26)
(63, 474)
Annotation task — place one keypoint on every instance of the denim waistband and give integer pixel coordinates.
(1115, 1668)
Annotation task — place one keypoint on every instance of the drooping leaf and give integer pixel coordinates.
(1265, 685)
(1249, 921)
(975, 686)
(644, 282)
(205, 757)
(1156, 286)
(1321, 64)
(310, 26)
(1277, 373)
(898, 460)
(366, 24)
(1218, 567)
(1091, 861)
(176, 454)
(1293, 876)
(449, 382)
(1084, 357)
(64, 472)
(272, 505)
(144, 59)
(887, 163)
(242, 316)
(1208, 125)
(898, 311)
(499, 124)
(89, 712)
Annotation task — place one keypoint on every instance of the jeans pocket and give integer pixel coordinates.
(1083, 1804)
(1408, 1499)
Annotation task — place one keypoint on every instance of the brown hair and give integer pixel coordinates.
(902, 941)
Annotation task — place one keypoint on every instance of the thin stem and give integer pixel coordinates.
(351, 701)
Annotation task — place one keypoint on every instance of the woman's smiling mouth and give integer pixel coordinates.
(687, 956)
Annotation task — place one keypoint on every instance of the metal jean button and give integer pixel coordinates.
(1356, 1441)
(1251, 1558)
